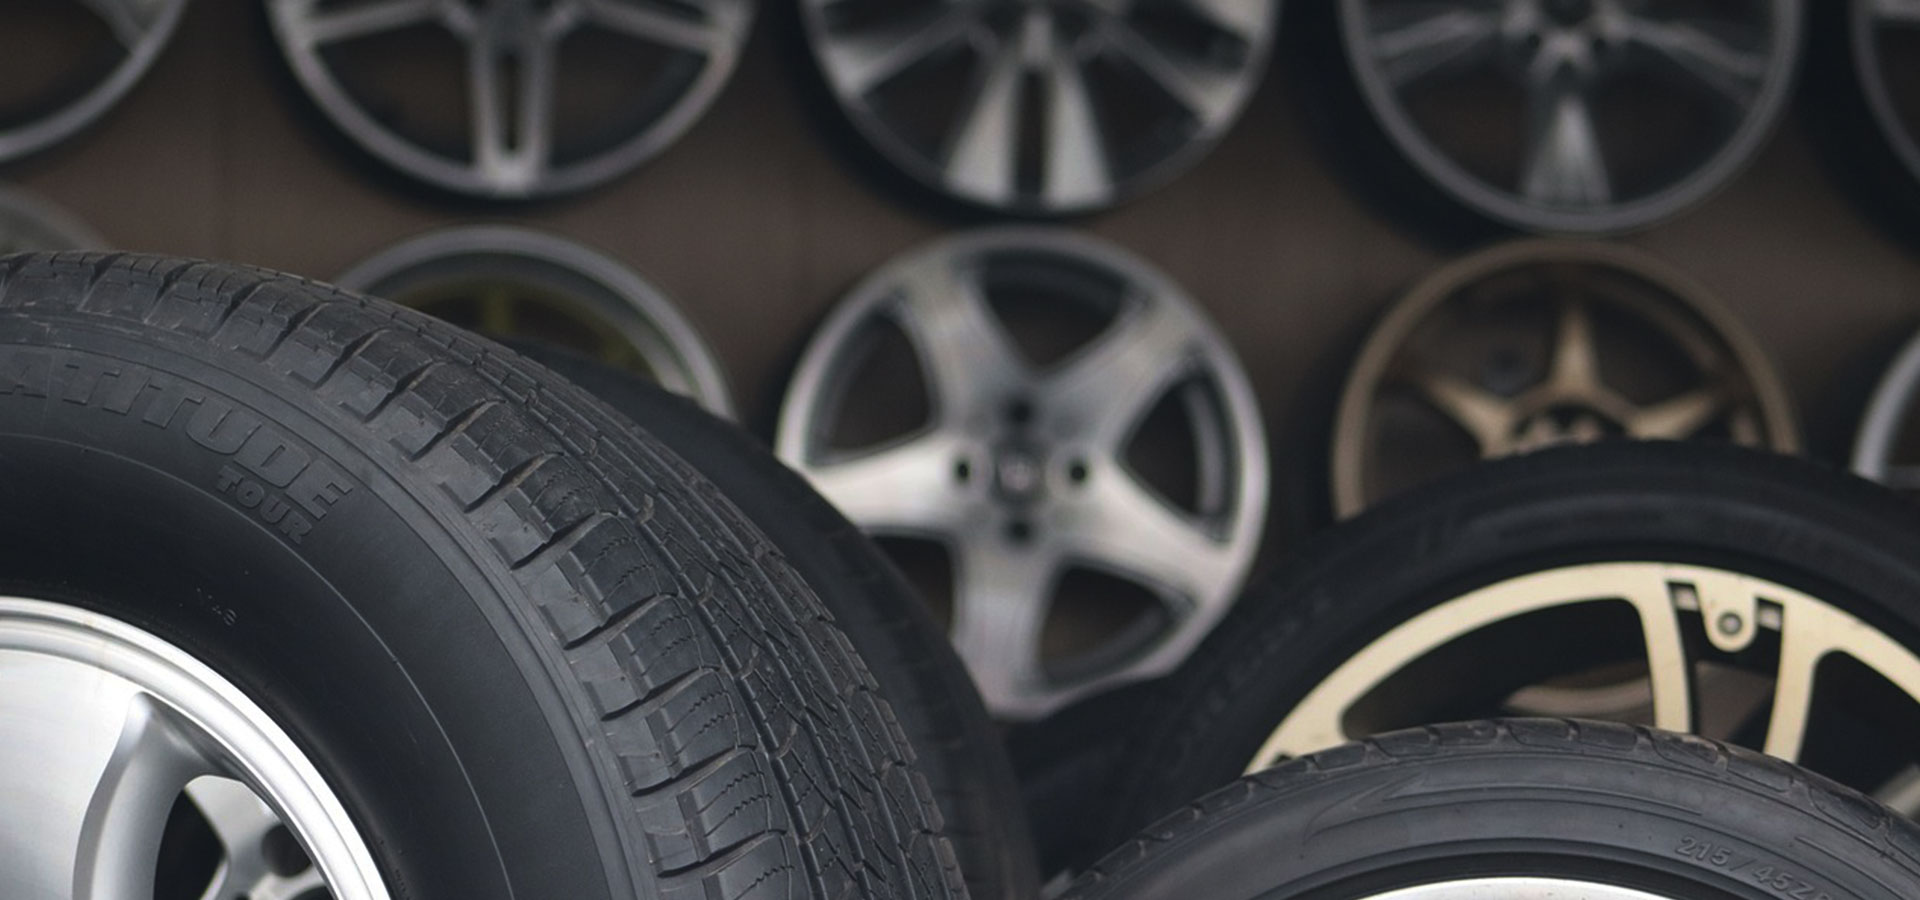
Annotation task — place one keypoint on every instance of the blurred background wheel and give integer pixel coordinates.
(1754, 599)
(65, 64)
(28, 222)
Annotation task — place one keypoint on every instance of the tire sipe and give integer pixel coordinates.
(1521, 809)
(919, 674)
(531, 652)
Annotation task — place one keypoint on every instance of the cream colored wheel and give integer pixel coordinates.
(1537, 343)
(1753, 599)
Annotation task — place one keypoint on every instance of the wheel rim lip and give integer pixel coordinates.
(261, 754)
(1893, 398)
(75, 117)
(1505, 207)
(1516, 888)
(446, 173)
(929, 175)
(1506, 599)
(1862, 30)
(1389, 336)
(652, 320)
(798, 441)
(55, 228)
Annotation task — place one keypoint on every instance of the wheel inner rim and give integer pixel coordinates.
(104, 726)
(1563, 57)
(512, 283)
(1731, 385)
(1517, 889)
(1732, 610)
(1870, 21)
(141, 29)
(28, 223)
(1049, 444)
(1063, 105)
(512, 74)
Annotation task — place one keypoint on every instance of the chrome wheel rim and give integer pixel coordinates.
(1517, 889)
(512, 66)
(140, 30)
(103, 727)
(1186, 68)
(1891, 103)
(1456, 347)
(1553, 65)
(513, 283)
(1020, 470)
(28, 223)
(1691, 619)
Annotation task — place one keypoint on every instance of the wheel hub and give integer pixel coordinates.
(1563, 424)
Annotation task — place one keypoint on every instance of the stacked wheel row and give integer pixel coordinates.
(1586, 116)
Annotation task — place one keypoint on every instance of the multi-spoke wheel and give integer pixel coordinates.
(1083, 433)
(106, 729)
(526, 285)
(1885, 42)
(64, 64)
(1041, 107)
(1537, 343)
(28, 223)
(1574, 116)
(512, 98)
(1749, 598)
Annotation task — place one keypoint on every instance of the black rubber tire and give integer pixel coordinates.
(1839, 538)
(919, 673)
(1671, 815)
(534, 653)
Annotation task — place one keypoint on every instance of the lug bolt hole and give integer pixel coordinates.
(1730, 623)
(962, 471)
(1077, 471)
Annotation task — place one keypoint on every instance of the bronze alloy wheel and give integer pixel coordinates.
(1536, 343)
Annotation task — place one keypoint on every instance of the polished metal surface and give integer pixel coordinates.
(1518, 889)
(104, 726)
(1892, 100)
(28, 223)
(140, 30)
(513, 282)
(1677, 687)
(516, 88)
(1021, 469)
(1046, 107)
(1506, 348)
(1574, 116)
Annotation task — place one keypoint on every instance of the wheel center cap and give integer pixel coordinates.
(1562, 425)
(1019, 474)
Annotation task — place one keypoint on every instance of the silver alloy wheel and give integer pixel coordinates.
(1551, 151)
(513, 66)
(1882, 450)
(1047, 107)
(141, 30)
(512, 282)
(1021, 470)
(1517, 889)
(1678, 688)
(1535, 343)
(104, 726)
(29, 223)
(1870, 23)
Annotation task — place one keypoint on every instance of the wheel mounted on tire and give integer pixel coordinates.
(529, 651)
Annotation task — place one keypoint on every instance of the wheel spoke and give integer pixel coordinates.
(120, 836)
(656, 26)
(964, 350)
(1442, 37)
(1209, 94)
(1077, 171)
(1734, 75)
(129, 20)
(907, 487)
(1564, 163)
(1244, 19)
(1679, 417)
(1898, 12)
(1487, 417)
(1001, 602)
(1801, 650)
(365, 20)
(985, 146)
(1668, 670)
(1124, 527)
(1576, 363)
(1901, 793)
(1112, 383)
(296, 887)
(241, 821)
(864, 62)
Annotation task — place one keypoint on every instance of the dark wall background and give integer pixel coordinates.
(756, 224)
